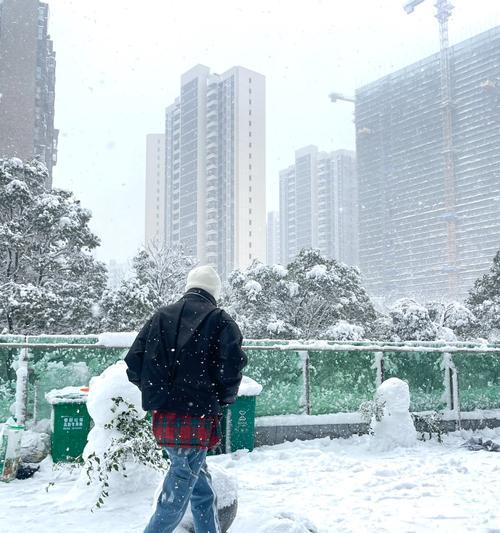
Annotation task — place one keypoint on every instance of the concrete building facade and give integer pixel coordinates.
(273, 238)
(404, 240)
(155, 189)
(27, 83)
(318, 205)
(215, 168)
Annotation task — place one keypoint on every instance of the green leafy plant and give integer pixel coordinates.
(372, 410)
(429, 425)
(136, 443)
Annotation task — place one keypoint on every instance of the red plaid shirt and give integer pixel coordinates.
(186, 431)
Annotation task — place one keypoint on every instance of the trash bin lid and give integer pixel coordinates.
(67, 395)
(249, 387)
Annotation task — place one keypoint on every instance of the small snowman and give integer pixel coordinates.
(396, 427)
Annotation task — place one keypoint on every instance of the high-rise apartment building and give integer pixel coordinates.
(27, 83)
(155, 190)
(318, 205)
(404, 198)
(215, 167)
(273, 238)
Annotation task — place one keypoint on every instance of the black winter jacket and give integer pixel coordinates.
(187, 358)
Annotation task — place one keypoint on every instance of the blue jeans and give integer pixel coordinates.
(187, 480)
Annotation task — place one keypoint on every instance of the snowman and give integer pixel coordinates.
(396, 426)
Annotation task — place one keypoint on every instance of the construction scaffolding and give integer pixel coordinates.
(420, 234)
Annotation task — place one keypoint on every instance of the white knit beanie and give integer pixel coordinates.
(206, 278)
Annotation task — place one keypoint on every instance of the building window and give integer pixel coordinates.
(249, 244)
(249, 189)
(249, 155)
(249, 256)
(249, 80)
(249, 177)
(249, 145)
(250, 211)
(250, 166)
(250, 101)
(249, 222)
(249, 112)
(249, 133)
(249, 122)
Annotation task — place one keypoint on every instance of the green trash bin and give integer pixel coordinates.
(70, 423)
(238, 421)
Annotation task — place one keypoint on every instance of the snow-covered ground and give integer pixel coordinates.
(319, 486)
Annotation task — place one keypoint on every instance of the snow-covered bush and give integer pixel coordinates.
(159, 278)
(429, 425)
(484, 300)
(303, 300)
(343, 331)
(411, 322)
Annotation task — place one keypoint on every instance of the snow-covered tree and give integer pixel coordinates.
(159, 277)
(303, 300)
(49, 281)
(411, 322)
(484, 299)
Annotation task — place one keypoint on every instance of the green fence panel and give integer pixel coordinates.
(424, 374)
(55, 368)
(479, 380)
(340, 381)
(280, 374)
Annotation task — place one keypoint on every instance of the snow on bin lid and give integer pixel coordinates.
(67, 395)
(249, 387)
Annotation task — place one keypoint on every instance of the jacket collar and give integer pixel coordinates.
(203, 294)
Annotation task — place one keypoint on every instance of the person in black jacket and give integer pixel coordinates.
(187, 361)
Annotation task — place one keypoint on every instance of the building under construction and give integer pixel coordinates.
(430, 205)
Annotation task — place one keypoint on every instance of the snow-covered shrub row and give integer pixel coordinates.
(50, 283)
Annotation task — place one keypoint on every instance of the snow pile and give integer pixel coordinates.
(112, 383)
(288, 523)
(249, 387)
(34, 446)
(396, 426)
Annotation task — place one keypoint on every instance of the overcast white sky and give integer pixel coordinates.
(119, 64)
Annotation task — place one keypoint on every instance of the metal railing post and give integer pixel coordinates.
(379, 368)
(306, 393)
(448, 381)
(452, 388)
(22, 386)
(456, 398)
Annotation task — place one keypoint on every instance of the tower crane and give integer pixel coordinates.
(443, 13)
